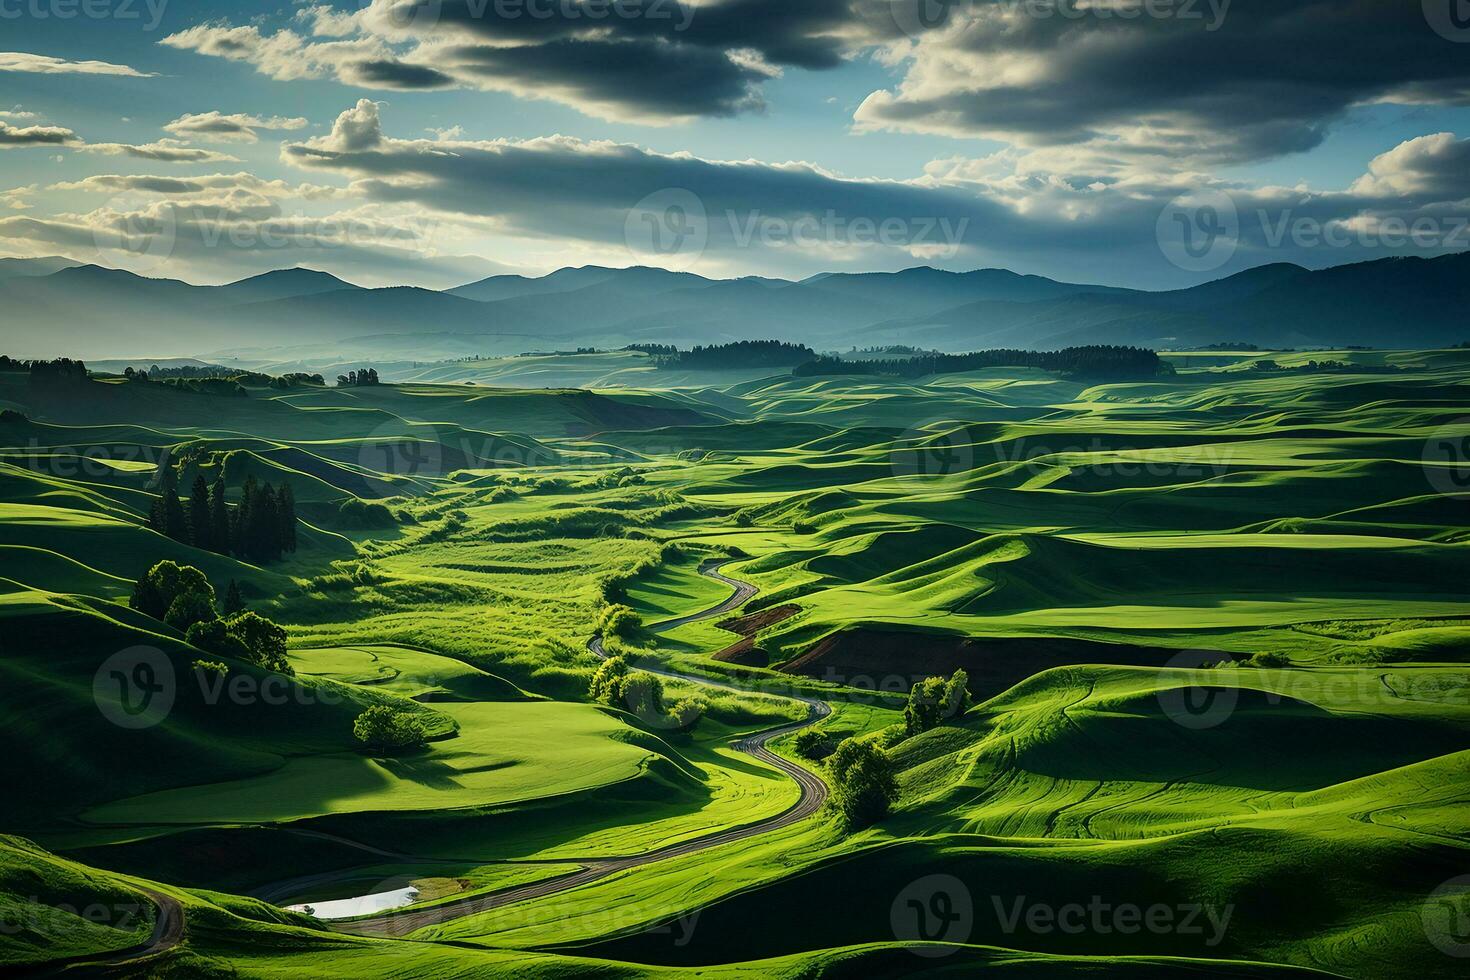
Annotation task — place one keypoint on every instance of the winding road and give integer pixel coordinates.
(813, 795)
(168, 932)
(169, 926)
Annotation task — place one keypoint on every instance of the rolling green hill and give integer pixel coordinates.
(1214, 625)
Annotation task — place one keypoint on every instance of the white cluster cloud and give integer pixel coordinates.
(569, 190)
(220, 227)
(229, 128)
(19, 61)
(18, 136)
(160, 151)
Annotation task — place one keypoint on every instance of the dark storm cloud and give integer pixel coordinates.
(1230, 79)
(651, 61)
(558, 187)
(388, 73)
(804, 34)
(690, 81)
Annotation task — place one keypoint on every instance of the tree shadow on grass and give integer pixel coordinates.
(424, 771)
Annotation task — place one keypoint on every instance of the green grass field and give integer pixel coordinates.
(1094, 556)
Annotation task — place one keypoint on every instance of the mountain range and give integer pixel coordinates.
(54, 306)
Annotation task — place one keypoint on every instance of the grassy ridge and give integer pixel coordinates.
(1226, 511)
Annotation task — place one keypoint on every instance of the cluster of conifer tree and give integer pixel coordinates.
(741, 354)
(1095, 361)
(261, 528)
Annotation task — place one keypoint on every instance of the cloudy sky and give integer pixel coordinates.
(1152, 143)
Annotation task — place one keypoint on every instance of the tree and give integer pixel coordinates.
(168, 518)
(215, 637)
(934, 701)
(619, 620)
(201, 521)
(286, 514)
(241, 519)
(864, 787)
(607, 682)
(258, 523)
(265, 641)
(617, 685)
(190, 608)
(155, 593)
(219, 517)
(643, 695)
(266, 527)
(956, 695)
(234, 604)
(924, 707)
(382, 729)
(813, 744)
(246, 636)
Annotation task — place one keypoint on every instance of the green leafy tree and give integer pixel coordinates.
(607, 681)
(957, 695)
(925, 706)
(190, 608)
(864, 787)
(620, 621)
(934, 701)
(685, 713)
(643, 695)
(155, 593)
(265, 641)
(618, 685)
(215, 637)
(385, 730)
(813, 744)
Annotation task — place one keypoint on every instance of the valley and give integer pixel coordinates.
(1213, 626)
